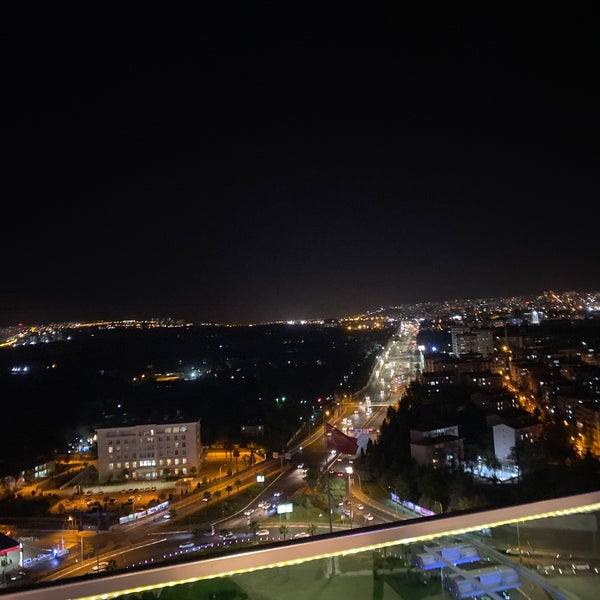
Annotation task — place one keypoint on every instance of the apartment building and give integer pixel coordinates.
(148, 451)
(440, 446)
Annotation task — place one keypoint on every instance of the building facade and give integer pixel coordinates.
(441, 447)
(149, 451)
(525, 429)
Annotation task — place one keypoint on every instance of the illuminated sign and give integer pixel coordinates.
(285, 508)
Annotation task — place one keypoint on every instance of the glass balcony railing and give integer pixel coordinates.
(546, 549)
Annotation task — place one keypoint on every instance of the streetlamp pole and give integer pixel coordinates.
(327, 474)
(394, 499)
(349, 470)
(326, 468)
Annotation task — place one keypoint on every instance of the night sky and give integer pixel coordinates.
(261, 171)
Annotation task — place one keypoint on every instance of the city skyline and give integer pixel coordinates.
(263, 172)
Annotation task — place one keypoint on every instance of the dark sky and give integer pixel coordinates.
(262, 171)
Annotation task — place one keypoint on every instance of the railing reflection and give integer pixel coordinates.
(280, 555)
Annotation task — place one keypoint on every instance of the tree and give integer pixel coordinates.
(112, 564)
(253, 527)
(401, 484)
(312, 479)
(236, 455)
(207, 495)
(283, 530)
(227, 447)
(229, 489)
(312, 529)
(490, 460)
(237, 484)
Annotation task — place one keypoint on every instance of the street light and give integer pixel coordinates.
(220, 471)
(350, 470)
(326, 471)
(395, 498)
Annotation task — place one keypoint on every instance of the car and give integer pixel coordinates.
(368, 517)
(226, 534)
(360, 506)
(248, 512)
(263, 532)
(302, 534)
(101, 566)
(301, 466)
(187, 545)
(17, 575)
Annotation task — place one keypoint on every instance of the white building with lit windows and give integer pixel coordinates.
(149, 451)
